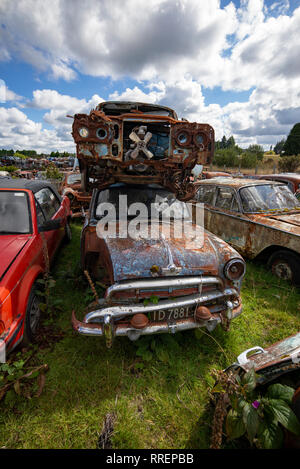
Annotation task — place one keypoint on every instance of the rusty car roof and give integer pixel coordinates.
(116, 105)
(236, 182)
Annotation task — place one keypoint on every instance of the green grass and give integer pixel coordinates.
(162, 405)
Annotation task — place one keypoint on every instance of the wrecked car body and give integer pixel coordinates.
(260, 219)
(274, 361)
(71, 187)
(192, 285)
(140, 143)
(155, 284)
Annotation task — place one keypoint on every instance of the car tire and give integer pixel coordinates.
(285, 265)
(32, 317)
(68, 233)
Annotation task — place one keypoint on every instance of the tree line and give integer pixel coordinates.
(33, 153)
(229, 154)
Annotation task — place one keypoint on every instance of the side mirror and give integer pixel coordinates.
(51, 225)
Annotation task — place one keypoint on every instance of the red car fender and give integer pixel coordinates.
(26, 285)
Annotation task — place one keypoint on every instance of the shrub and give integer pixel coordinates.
(289, 163)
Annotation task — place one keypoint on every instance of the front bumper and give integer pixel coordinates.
(104, 321)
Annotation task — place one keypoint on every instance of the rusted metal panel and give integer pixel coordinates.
(250, 233)
(272, 362)
(140, 141)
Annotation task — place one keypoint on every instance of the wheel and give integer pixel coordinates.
(32, 318)
(285, 265)
(68, 233)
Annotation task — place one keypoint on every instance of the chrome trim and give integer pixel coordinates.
(119, 311)
(134, 334)
(161, 283)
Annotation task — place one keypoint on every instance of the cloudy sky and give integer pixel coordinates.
(232, 64)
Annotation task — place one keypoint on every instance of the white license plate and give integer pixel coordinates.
(172, 314)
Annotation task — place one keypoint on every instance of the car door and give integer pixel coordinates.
(52, 209)
(224, 216)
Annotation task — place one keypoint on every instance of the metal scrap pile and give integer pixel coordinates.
(138, 143)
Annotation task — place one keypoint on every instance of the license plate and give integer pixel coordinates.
(172, 314)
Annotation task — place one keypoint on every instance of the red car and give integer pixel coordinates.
(33, 216)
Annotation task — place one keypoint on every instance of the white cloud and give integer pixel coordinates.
(172, 48)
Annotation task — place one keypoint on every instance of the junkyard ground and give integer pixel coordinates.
(160, 403)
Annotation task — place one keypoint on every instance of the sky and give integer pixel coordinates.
(232, 64)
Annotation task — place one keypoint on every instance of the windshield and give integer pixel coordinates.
(74, 178)
(14, 213)
(268, 197)
(158, 202)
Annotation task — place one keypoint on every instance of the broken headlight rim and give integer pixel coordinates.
(83, 132)
(183, 138)
(101, 133)
(200, 140)
(235, 269)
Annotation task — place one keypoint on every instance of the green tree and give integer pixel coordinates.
(292, 144)
(230, 142)
(278, 148)
(256, 150)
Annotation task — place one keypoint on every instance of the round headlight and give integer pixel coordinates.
(235, 269)
(199, 140)
(183, 138)
(101, 133)
(83, 132)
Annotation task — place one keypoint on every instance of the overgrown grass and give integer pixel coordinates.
(161, 405)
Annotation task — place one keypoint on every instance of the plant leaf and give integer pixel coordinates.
(252, 422)
(235, 426)
(271, 437)
(249, 380)
(280, 391)
(285, 415)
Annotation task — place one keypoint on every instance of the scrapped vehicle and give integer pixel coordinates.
(141, 143)
(34, 219)
(71, 187)
(277, 364)
(156, 284)
(260, 219)
(292, 180)
(271, 363)
(214, 174)
(26, 174)
(4, 174)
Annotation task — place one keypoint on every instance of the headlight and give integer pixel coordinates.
(235, 269)
(199, 140)
(83, 132)
(101, 133)
(183, 138)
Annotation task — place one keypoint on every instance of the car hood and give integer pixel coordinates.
(133, 258)
(10, 248)
(289, 222)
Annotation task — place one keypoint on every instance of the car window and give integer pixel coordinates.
(14, 213)
(48, 202)
(268, 197)
(226, 199)
(39, 214)
(206, 194)
(74, 178)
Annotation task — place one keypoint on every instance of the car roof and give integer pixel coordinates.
(236, 182)
(26, 184)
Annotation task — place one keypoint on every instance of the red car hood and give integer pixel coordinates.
(10, 248)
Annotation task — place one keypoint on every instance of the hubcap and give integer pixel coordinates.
(282, 270)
